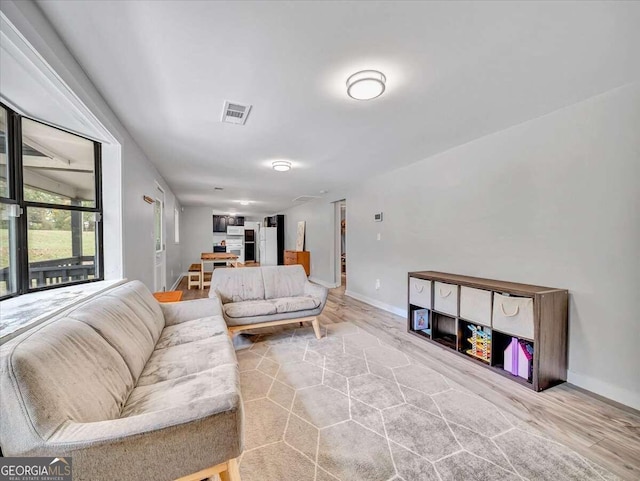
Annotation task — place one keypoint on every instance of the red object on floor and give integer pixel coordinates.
(168, 296)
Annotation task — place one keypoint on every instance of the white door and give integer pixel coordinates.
(159, 242)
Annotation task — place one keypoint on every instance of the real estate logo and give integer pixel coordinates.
(35, 469)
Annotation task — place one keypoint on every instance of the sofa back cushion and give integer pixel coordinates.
(283, 281)
(237, 285)
(129, 318)
(62, 371)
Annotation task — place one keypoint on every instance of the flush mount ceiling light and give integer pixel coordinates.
(244, 202)
(366, 85)
(281, 165)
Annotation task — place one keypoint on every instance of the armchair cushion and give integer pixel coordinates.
(190, 331)
(213, 384)
(249, 308)
(283, 281)
(185, 359)
(294, 304)
(237, 285)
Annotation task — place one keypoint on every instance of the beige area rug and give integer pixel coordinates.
(349, 408)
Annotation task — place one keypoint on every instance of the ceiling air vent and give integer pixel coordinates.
(235, 113)
(305, 198)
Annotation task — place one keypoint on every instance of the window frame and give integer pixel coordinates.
(16, 192)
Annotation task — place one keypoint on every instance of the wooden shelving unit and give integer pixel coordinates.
(456, 307)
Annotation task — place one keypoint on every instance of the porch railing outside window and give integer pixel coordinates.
(50, 229)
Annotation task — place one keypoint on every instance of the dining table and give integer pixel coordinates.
(227, 257)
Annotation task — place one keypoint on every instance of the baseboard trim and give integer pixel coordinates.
(380, 305)
(328, 285)
(175, 284)
(606, 390)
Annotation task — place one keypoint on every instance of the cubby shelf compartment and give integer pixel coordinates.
(444, 330)
(521, 352)
(475, 340)
(536, 316)
(420, 321)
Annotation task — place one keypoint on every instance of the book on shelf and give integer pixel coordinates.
(421, 320)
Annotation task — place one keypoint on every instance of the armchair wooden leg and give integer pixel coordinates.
(316, 327)
(233, 471)
(228, 471)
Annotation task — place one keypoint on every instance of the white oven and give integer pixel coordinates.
(236, 246)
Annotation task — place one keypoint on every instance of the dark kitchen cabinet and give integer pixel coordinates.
(274, 221)
(220, 223)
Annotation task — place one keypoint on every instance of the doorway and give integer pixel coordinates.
(160, 256)
(341, 243)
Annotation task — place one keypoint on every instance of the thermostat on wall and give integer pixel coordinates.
(377, 217)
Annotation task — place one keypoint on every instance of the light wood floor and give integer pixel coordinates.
(601, 430)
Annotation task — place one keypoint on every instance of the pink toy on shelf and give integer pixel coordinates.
(517, 358)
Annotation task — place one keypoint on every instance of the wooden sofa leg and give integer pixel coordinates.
(316, 327)
(233, 471)
(228, 471)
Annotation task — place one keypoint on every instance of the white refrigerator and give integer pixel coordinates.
(269, 246)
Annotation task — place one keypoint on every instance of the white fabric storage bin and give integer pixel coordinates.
(513, 315)
(420, 292)
(445, 298)
(475, 305)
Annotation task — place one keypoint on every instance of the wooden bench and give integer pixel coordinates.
(193, 276)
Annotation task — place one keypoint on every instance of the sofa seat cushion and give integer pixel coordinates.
(298, 303)
(190, 331)
(185, 390)
(187, 358)
(250, 308)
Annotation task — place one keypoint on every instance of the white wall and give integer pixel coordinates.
(554, 201)
(139, 178)
(319, 235)
(197, 227)
(127, 172)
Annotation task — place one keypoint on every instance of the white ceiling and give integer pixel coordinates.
(455, 71)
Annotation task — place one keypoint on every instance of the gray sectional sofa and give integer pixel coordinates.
(254, 297)
(129, 388)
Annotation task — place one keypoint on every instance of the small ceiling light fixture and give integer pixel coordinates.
(281, 165)
(244, 202)
(366, 85)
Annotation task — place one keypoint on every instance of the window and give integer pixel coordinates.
(50, 229)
